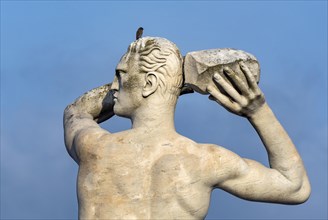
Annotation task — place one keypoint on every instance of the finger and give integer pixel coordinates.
(227, 87)
(249, 76)
(251, 79)
(241, 84)
(223, 100)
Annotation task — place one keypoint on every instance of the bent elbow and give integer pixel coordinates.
(302, 193)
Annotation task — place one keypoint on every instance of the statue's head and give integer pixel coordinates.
(150, 65)
(162, 57)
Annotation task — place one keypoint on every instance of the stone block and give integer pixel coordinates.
(200, 66)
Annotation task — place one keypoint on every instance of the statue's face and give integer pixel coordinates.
(128, 84)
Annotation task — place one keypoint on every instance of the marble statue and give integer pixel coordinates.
(151, 171)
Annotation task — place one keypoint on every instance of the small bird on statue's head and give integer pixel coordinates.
(139, 33)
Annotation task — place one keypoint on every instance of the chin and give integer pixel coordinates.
(120, 112)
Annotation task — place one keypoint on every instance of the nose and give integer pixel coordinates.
(115, 84)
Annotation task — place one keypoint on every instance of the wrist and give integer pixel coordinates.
(264, 111)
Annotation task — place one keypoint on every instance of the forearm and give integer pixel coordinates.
(286, 181)
(96, 104)
(282, 153)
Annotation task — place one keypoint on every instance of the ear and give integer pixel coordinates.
(151, 84)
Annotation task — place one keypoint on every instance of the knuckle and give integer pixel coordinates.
(258, 96)
(209, 88)
(216, 76)
(258, 93)
(251, 79)
(244, 102)
(252, 96)
(238, 108)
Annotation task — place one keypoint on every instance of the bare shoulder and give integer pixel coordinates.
(216, 162)
(204, 149)
(90, 135)
(216, 150)
(88, 141)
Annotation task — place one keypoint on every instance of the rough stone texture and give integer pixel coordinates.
(152, 172)
(200, 66)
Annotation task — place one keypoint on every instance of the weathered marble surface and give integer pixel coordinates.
(152, 172)
(200, 66)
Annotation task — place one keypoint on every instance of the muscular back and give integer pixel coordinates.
(132, 176)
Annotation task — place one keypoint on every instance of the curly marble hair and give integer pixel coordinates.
(163, 57)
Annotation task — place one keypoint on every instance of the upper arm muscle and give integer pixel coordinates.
(246, 178)
(74, 125)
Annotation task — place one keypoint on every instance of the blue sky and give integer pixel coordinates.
(53, 51)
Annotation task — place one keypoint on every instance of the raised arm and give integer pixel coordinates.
(286, 180)
(85, 113)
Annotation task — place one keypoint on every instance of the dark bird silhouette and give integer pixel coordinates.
(139, 33)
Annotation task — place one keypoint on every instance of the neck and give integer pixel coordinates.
(156, 118)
